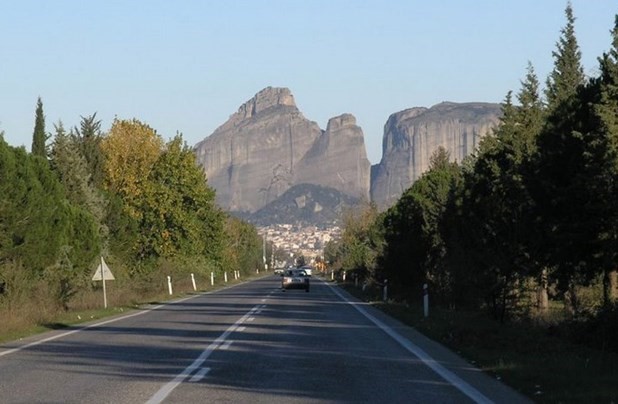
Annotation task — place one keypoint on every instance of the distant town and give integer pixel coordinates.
(295, 240)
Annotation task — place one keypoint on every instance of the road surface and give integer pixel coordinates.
(248, 343)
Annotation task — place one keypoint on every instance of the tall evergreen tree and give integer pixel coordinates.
(497, 204)
(414, 247)
(559, 179)
(604, 154)
(39, 137)
(568, 73)
(89, 138)
(72, 169)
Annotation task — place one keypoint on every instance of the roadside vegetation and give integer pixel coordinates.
(128, 196)
(518, 243)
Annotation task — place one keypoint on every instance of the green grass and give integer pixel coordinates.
(524, 355)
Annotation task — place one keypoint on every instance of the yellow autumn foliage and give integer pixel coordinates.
(131, 148)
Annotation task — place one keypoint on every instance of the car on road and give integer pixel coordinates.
(308, 270)
(295, 279)
(279, 271)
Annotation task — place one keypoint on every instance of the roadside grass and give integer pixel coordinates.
(524, 355)
(33, 316)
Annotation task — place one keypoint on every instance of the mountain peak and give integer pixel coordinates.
(267, 98)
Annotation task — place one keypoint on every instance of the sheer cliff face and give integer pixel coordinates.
(268, 146)
(413, 135)
(340, 159)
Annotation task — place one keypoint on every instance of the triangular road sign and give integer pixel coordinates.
(103, 272)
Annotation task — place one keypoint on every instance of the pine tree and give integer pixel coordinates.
(39, 137)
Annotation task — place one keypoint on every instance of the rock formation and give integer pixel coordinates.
(267, 146)
(340, 156)
(413, 135)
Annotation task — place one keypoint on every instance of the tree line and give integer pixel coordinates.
(127, 195)
(529, 219)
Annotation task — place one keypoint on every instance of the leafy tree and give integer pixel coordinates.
(242, 246)
(39, 137)
(177, 210)
(130, 151)
(360, 242)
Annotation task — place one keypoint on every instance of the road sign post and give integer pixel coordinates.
(103, 273)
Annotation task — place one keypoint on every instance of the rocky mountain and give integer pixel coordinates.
(304, 203)
(413, 135)
(268, 146)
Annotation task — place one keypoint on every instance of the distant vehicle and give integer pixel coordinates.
(295, 279)
(308, 270)
(279, 271)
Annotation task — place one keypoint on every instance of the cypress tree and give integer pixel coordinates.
(39, 137)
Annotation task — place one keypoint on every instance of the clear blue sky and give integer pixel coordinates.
(186, 65)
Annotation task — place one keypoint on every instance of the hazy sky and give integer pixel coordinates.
(186, 65)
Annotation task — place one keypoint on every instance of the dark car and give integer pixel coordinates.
(295, 279)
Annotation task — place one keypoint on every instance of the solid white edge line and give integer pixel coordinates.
(446, 374)
(143, 311)
(64, 334)
(164, 391)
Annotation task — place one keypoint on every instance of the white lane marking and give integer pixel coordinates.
(251, 319)
(164, 391)
(263, 300)
(199, 375)
(241, 329)
(446, 374)
(226, 345)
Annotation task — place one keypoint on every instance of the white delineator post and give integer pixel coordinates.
(225, 277)
(212, 279)
(425, 300)
(169, 284)
(193, 282)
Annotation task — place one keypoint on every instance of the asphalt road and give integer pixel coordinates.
(248, 343)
